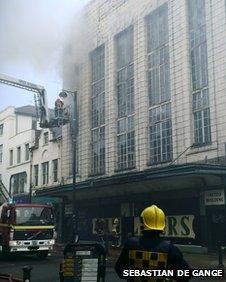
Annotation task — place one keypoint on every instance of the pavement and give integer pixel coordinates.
(197, 261)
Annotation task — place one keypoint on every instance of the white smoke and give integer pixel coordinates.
(33, 37)
(35, 32)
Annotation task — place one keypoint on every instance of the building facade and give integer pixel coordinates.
(150, 81)
(46, 159)
(18, 132)
(30, 156)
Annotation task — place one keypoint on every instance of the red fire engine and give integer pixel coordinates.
(27, 228)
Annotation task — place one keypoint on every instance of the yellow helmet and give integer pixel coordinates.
(153, 218)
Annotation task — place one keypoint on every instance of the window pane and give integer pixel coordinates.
(27, 152)
(160, 134)
(11, 157)
(1, 129)
(98, 111)
(158, 56)
(98, 151)
(1, 153)
(18, 154)
(199, 71)
(55, 170)
(125, 99)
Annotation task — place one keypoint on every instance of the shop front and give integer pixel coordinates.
(109, 208)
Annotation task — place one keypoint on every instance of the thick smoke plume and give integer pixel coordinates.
(36, 32)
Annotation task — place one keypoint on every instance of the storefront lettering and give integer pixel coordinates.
(179, 226)
(172, 222)
(184, 222)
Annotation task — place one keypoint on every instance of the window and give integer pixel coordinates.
(45, 138)
(45, 173)
(201, 117)
(158, 56)
(27, 152)
(18, 183)
(160, 126)
(125, 99)
(125, 73)
(18, 155)
(98, 111)
(98, 150)
(126, 143)
(11, 157)
(1, 153)
(1, 129)
(55, 170)
(199, 72)
(160, 134)
(36, 175)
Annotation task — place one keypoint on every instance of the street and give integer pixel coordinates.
(47, 270)
(43, 270)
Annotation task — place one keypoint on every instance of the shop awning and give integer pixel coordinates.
(177, 177)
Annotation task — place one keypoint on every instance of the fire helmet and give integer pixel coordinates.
(152, 218)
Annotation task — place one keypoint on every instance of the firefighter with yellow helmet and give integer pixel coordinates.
(150, 251)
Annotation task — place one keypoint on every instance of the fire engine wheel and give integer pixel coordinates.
(42, 254)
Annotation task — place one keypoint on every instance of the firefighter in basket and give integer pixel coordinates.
(150, 251)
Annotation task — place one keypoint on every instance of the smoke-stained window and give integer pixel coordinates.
(160, 126)
(199, 71)
(98, 111)
(125, 98)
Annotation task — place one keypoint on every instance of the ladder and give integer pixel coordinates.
(4, 194)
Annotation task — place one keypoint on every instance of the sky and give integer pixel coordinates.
(33, 35)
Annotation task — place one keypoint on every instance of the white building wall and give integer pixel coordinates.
(46, 153)
(105, 19)
(17, 132)
(8, 120)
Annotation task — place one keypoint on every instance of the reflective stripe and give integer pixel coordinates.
(27, 227)
(144, 260)
(32, 227)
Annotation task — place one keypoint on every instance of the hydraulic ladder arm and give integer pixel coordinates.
(42, 110)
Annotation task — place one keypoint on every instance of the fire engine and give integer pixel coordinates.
(27, 228)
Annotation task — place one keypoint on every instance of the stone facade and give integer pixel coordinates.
(103, 20)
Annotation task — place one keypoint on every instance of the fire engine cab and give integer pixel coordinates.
(27, 228)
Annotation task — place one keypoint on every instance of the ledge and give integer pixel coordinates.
(194, 249)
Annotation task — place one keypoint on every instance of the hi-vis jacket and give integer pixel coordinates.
(150, 253)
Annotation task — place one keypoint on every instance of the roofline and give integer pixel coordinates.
(24, 114)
